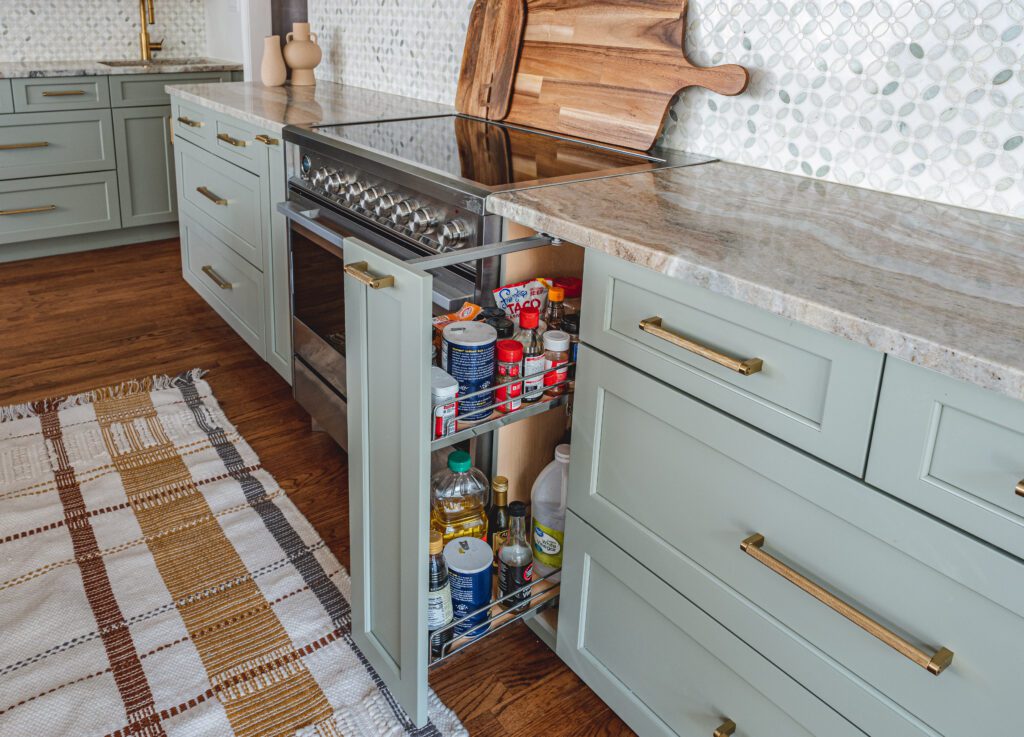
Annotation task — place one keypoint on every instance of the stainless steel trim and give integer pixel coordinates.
(451, 258)
(326, 408)
(325, 359)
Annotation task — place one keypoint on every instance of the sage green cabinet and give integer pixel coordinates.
(127, 90)
(145, 165)
(6, 97)
(663, 664)
(43, 144)
(278, 292)
(50, 94)
(952, 449)
(49, 207)
(388, 362)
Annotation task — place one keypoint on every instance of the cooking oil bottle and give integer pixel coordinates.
(458, 499)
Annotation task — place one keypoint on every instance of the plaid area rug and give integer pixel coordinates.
(155, 580)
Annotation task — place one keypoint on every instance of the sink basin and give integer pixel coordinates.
(158, 62)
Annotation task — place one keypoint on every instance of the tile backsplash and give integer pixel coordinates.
(918, 97)
(53, 30)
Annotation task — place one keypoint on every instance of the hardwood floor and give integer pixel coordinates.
(72, 323)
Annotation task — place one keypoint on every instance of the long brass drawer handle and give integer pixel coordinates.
(217, 278)
(359, 271)
(727, 728)
(1020, 488)
(17, 146)
(28, 210)
(744, 366)
(190, 123)
(934, 664)
(233, 141)
(63, 93)
(211, 196)
(263, 138)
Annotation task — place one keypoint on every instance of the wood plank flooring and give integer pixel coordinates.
(76, 322)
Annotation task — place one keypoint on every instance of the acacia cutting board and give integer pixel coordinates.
(607, 71)
(489, 58)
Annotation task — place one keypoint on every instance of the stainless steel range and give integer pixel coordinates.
(412, 188)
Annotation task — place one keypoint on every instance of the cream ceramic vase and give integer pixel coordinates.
(302, 54)
(273, 72)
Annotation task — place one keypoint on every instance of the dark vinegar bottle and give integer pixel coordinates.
(497, 517)
(439, 597)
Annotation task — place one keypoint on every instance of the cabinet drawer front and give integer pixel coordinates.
(6, 97)
(127, 90)
(663, 664)
(49, 207)
(192, 122)
(813, 390)
(225, 198)
(43, 144)
(672, 480)
(46, 94)
(952, 449)
(226, 281)
(237, 143)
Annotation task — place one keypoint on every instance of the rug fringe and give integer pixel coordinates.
(127, 388)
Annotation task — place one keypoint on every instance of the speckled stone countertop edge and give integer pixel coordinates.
(944, 359)
(89, 68)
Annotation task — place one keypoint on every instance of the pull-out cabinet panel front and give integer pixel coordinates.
(811, 389)
(43, 144)
(678, 484)
(664, 665)
(387, 342)
(952, 449)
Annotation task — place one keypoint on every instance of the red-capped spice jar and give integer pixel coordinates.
(509, 376)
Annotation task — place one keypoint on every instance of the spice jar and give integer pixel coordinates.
(556, 354)
(509, 376)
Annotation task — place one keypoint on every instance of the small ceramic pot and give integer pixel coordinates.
(302, 54)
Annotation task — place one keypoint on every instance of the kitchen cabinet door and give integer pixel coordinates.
(387, 325)
(145, 165)
(275, 261)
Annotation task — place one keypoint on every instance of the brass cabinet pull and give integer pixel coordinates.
(63, 93)
(190, 123)
(744, 367)
(211, 196)
(359, 271)
(262, 138)
(233, 141)
(217, 278)
(16, 146)
(28, 210)
(934, 664)
(728, 727)
(1020, 488)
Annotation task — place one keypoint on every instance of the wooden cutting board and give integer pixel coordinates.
(489, 58)
(607, 71)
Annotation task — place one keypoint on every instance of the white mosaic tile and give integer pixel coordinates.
(53, 30)
(918, 97)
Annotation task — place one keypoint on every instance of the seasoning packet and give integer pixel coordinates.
(514, 297)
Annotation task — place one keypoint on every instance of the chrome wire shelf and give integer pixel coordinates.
(544, 594)
(466, 429)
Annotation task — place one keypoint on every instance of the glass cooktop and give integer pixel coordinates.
(487, 153)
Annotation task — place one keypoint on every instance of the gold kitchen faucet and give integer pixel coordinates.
(146, 20)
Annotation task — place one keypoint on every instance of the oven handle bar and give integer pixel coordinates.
(451, 258)
(306, 217)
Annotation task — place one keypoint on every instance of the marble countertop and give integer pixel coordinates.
(88, 68)
(935, 285)
(272, 108)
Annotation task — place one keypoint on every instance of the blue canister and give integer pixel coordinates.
(469, 561)
(467, 354)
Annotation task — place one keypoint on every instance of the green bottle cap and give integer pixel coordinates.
(459, 461)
